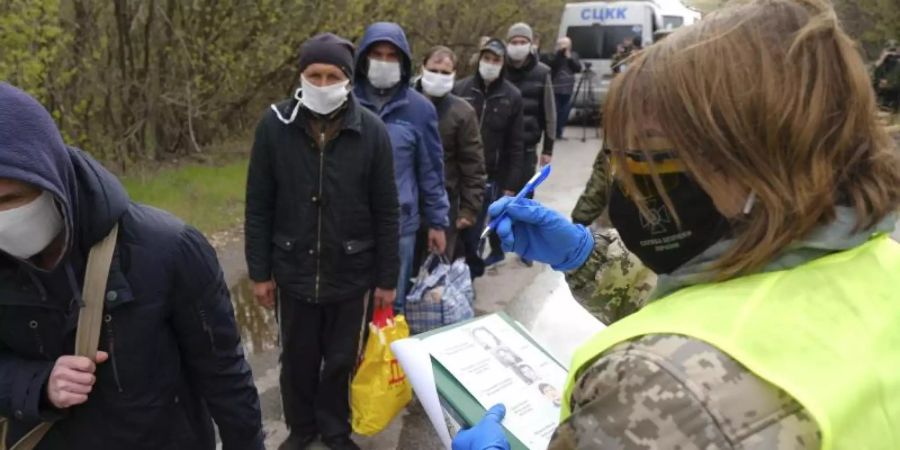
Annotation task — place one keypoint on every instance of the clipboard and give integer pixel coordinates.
(458, 403)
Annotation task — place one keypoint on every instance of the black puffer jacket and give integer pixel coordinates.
(175, 355)
(533, 79)
(325, 227)
(499, 112)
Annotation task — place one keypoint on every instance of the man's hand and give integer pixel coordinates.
(546, 159)
(462, 223)
(72, 379)
(509, 193)
(264, 291)
(437, 241)
(384, 298)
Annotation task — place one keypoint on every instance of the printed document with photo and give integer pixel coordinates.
(498, 364)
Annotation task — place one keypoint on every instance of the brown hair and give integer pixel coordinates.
(772, 94)
(440, 51)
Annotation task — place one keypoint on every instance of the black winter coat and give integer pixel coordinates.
(324, 227)
(563, 69)
(175, 356)
(534, 81)
(500, 117)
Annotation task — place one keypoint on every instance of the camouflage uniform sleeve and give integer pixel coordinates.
(670, 391)
(594, 198)
(613, 283)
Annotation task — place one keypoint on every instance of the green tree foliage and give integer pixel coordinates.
(31, 41)
(132, 80)
(874, 23)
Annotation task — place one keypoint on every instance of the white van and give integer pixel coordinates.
(597, 29)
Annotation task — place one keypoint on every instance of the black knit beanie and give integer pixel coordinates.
(328, 48)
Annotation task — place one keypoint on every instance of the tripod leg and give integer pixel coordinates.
(596, 117)
(588, 94)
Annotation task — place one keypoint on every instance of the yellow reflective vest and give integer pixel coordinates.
(826, 332)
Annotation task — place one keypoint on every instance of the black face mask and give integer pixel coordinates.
(659, 243)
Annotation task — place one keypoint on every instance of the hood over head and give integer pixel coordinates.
(384, 32)
(32, 150)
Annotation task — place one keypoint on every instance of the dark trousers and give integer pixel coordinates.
(889, 98)
(529, 167)
(454, 243)
(471, 237)
(563, 108)
(320, 346)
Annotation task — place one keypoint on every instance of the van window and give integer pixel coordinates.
(672, 22)
(601, 41)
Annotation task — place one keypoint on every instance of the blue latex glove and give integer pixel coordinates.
(486, 435)
(536, 232)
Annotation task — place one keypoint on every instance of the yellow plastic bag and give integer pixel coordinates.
(379, 390)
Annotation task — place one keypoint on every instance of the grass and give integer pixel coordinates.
(210, 198)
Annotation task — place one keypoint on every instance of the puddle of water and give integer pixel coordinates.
(258, 327)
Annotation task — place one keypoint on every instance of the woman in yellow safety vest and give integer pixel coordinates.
(750, 174)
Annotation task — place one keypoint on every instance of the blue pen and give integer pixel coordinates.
(530, 186)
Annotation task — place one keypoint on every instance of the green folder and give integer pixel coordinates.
(456, 399)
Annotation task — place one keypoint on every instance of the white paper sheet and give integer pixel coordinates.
(416, 364)
(499, 365)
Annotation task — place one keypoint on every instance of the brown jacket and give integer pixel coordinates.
(464, 171)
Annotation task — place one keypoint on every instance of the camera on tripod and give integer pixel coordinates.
(588, 113)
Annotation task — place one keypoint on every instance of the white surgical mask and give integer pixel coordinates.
(488, 71)
(383, 74)
(437, 84)
(323, 100)
(27, 230)
(518, 52)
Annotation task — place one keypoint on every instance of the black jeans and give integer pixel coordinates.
(529, 167)
(454, 242)
(320, 347)
(471, 237)
(563, 108)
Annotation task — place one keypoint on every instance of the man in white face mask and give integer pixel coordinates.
(463, 152)
(321, 236)
(534, 80)
(30, 224)
(498, 105)
(167, 338)
(382, 84)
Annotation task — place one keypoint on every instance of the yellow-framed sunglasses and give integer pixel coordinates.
(659, 158)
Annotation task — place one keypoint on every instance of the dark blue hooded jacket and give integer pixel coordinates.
(412, 124)
(175, 356)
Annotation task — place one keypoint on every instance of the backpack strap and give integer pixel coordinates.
(90, 319)
(87, 335)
